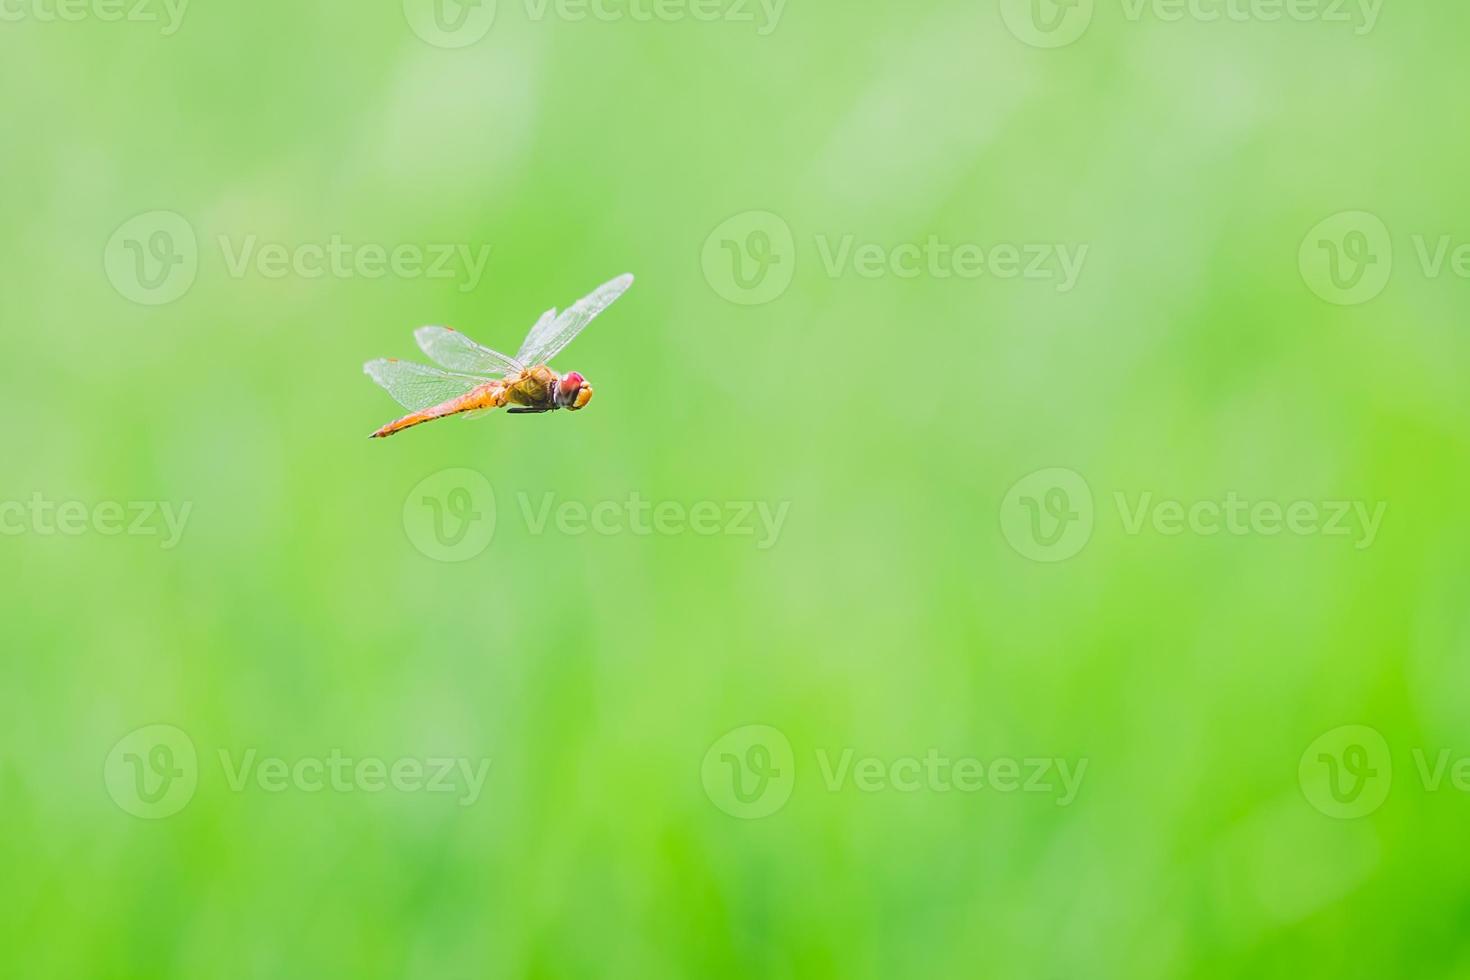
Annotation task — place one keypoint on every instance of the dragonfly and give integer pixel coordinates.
(472, 380)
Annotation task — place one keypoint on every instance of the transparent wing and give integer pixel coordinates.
(543, 324)
(553, 332)
(416, 386)
(453, 350)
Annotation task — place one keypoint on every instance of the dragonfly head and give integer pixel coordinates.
(573, 392)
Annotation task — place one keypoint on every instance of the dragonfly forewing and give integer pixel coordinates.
(552, 333)
(453, 350)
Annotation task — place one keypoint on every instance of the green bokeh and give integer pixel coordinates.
(885, 419)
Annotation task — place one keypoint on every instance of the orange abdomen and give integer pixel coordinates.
(487, 396)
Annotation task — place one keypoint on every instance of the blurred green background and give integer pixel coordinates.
(307, 608)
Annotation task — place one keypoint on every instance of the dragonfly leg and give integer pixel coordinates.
(526, 411)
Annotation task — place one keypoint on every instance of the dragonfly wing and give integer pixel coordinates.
(553, 332)
(536, 336)
(453, 350)
(416, 386)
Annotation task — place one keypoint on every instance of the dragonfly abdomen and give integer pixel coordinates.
(486, 396)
